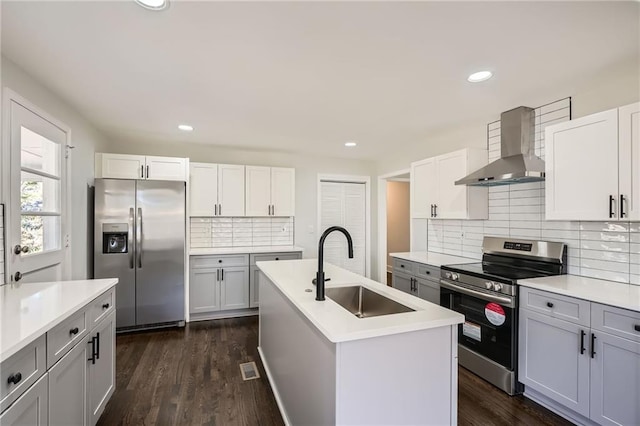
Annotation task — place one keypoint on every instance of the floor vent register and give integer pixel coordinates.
(249, 371)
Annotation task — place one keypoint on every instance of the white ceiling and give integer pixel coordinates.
(306, 77)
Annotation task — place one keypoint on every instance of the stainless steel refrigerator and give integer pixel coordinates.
(139, 237)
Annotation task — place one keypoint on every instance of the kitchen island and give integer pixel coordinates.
(328, 366)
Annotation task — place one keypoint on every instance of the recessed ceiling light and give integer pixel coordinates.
(350, 144)
(185, 128)
(153, 4)
(479, 76)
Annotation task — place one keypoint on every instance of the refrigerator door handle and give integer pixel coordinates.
(139, 237)
(130, 238)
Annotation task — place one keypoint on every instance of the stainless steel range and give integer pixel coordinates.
(486, 293)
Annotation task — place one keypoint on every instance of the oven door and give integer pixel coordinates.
(490, 322)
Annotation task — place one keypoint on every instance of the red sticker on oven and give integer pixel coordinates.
(495, 313)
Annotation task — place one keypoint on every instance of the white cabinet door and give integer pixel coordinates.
(451, 199)
(629, 124)
(31, 408)
(102, 374)
(230, 190)
(166, 168)
(582, 168)
(203, 189)
(68, 388)
(258, 191)
(234, 288)
(615, 388)
(120, 166)
(549, 359)
(423, 188)
(204, 290)
(283, 188)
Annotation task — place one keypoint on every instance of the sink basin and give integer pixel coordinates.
(363, 302)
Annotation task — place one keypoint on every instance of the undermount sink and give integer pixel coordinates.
(365, 303)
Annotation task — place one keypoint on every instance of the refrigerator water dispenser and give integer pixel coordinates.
(115, 237)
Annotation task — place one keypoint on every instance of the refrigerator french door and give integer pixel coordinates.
(139, 238)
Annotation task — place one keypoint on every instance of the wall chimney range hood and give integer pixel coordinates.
(517, 162)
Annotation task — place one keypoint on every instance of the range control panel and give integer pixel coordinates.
(509, 245)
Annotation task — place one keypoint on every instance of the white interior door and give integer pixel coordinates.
(37, 199)
(344, 204)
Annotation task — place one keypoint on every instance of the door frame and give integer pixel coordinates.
(9, 95)
(366, 180)
(382, 219)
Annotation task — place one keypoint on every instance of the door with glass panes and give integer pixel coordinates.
(36, 225)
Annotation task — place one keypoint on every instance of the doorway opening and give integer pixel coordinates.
(394, 224)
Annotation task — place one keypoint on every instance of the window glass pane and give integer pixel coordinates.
(39, 193)
(40, 233)
(39, 153)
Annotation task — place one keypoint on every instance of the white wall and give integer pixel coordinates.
(307, 169)
(84, 137)
(610, 87)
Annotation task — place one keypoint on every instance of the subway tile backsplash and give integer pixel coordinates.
(607, 250)
(209, 232)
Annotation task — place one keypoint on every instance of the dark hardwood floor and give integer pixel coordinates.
(191, 376)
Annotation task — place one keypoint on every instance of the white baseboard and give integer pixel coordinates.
(283, 412)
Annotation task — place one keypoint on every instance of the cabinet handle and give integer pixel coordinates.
(105, 306)
(550, 305)
(220, 209)
(221, 274)
(611, 212)
(215, 209)
(435, 210)
(622, 213)
(74, 331)
(93, 350)
(277, 258)
(431, 210)
(593, 345)
(15, 378)
(402, 266)
(97, 345)
(428, 272)
(637, 327)
(142, 172)
(147, 172)
(582, 348)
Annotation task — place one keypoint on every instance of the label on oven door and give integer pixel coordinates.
(472, 330)
(495, 313)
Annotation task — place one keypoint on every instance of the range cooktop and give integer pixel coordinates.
(497, 272)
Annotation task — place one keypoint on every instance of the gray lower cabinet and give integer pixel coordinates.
(204, 290)
(102, 367)
(417, 279)
(67, 388)
(31, 408)
(254, 296)
(551, 361)
(234, 288)
(587, 366)
(254, 272)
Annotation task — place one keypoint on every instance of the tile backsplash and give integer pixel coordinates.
(207, 232)
(607, 250)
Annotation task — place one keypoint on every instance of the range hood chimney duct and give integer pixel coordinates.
(518, 162)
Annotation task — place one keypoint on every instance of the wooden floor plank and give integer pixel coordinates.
(191, 376)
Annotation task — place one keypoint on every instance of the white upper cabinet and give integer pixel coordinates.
(434, 194)
(124, 166)
(216, 189)
(270, 191)
(592, 167)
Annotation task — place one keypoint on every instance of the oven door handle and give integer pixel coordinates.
(484, 296)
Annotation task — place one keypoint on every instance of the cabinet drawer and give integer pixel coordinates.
(554, 305)
(65, 335)
(616, 321)
(24, 367)
(102, 306)
(427, 272)
(274, 256)
(403, 266)
(219, 261)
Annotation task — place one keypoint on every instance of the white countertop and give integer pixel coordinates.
(29, 310)
(243, 250)
(626, 296)
(433, 259)
(292, 277)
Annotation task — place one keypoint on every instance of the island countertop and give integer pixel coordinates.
(29, 310)
(293, 279)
